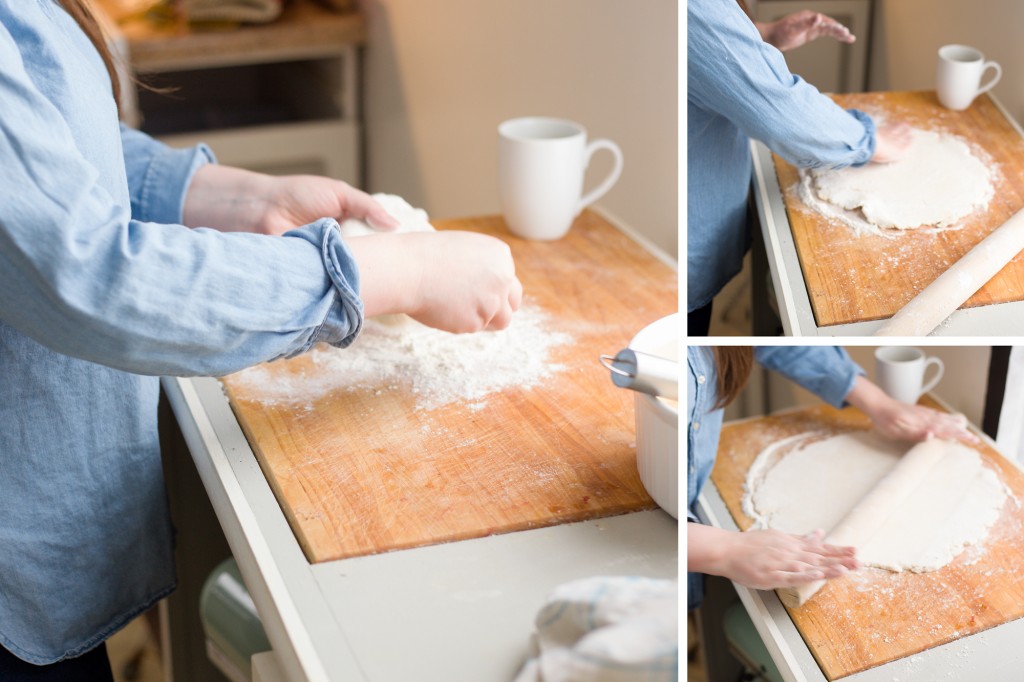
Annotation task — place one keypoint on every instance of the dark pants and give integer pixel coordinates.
(92, 666)
(699, 321)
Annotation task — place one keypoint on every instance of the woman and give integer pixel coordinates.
(104, 285)
(739, 88)
(769, 559)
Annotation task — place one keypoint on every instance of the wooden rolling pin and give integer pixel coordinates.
(870, 515)
(942, 297)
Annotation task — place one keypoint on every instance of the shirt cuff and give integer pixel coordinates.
(835, 391)
(344, 320)
(166, 183)
(870, 139)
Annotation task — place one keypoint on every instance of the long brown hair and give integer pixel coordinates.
(732, 365)
(80, 12)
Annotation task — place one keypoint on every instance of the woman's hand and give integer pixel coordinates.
(891, 142)
(902, 421)
(235, 200)
(455, 281)
(800, 28)
(766, 559)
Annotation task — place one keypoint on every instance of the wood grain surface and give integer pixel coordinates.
(363, 471)
(852, 278)
(874, 616)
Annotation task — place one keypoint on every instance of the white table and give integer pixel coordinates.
(457, 611)
(794, 303)
(993, 655)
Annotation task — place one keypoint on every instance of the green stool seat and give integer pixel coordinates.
(746, 645)
(232, 626)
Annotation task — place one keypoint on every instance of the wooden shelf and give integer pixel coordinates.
(304, 31)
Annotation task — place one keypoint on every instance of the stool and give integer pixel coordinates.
(746, 645)
(232, 627)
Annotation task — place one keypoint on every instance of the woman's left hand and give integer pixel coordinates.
(902, 421)
(235, 200)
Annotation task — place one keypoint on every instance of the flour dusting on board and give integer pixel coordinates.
(438, 368)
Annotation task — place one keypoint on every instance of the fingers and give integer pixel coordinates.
(922, 423)
(359, 204)
(952, 427)
(829, 27)
(781, 560)
(502, 316)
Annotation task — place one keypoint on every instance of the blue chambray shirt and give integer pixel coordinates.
(738, 87)
(101, 290)
(827, 372)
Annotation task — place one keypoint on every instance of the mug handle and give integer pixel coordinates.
(607, 183)
(938, 375)
(999, 73)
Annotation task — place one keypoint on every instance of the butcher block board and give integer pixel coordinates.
(364, 471)
(854, 278)
(873, 616)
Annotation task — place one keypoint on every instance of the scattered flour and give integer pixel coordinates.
(437, 367)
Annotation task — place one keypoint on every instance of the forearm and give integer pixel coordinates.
(869, 398)
(388, 276)
(707, 549)
(227, 199)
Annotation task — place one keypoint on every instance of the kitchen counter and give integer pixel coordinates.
(852, 289)
(987, 654)
(451, 611)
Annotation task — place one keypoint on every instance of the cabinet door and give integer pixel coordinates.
(828, 65)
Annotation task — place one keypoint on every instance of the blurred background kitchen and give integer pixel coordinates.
(897, 41)
(396, 96)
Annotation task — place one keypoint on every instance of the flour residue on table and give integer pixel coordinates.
(437, 367)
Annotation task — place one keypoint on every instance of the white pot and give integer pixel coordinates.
(657, 420)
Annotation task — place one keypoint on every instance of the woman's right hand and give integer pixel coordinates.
(891, 142)
(769, 559)
(455, 281)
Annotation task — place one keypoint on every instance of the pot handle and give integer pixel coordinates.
(643, 372)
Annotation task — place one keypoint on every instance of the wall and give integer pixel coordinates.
(908, 33)
(439, 76)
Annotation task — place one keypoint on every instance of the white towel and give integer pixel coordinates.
(249, 11)
(607, 629)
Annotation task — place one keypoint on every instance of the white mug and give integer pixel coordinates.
(899, 371)
(958, 79)
(541, 162)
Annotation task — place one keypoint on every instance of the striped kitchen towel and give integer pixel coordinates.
(607, 629)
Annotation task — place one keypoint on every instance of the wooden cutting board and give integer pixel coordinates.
(874, 616)
(853, 278)
(364, 471)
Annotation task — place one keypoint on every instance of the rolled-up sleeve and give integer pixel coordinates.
(159, 175)
(732, 71)
(826, 371)
(82, 275)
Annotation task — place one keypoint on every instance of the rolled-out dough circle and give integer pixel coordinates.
(813, 481)
(938, 182)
